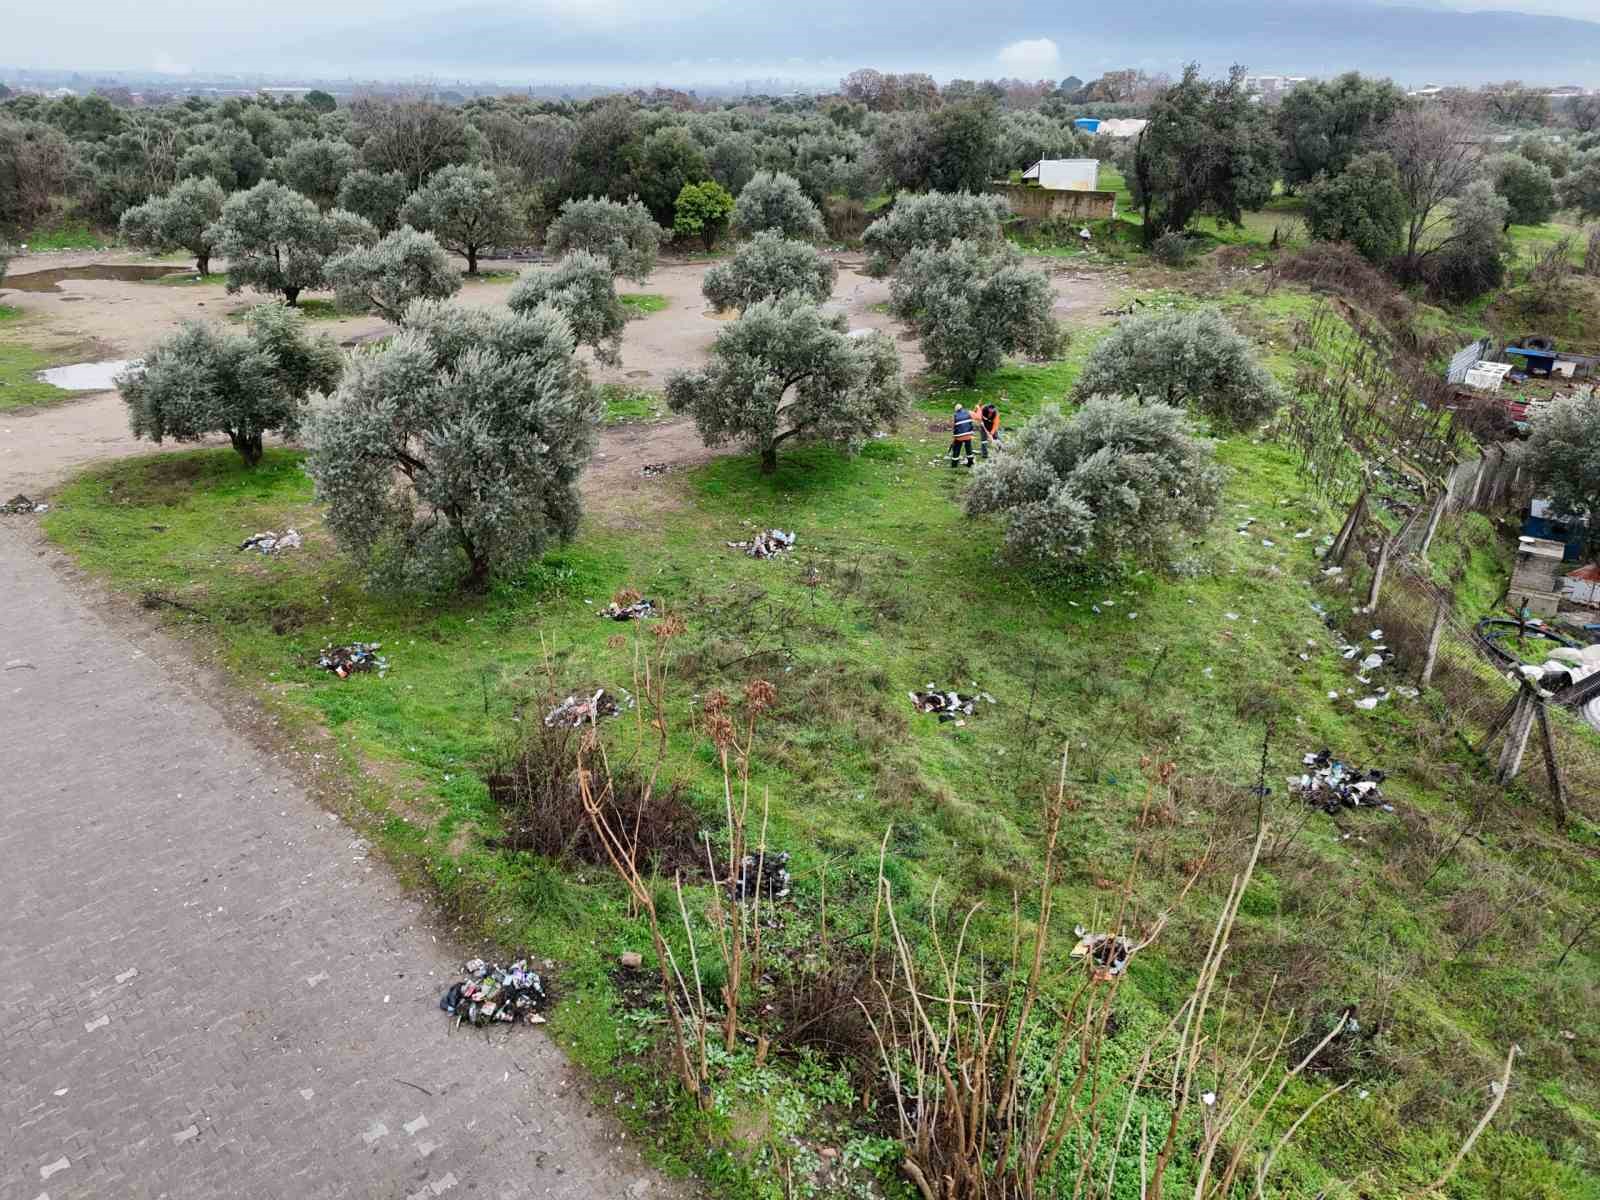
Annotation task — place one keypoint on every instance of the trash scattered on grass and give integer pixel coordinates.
(947, 706)
(765, 544)
(1330, 785)
(20, 505)
(491, 993)
(622, 609)
(270, 541)
(763, 873)
(1107, 954)
(573, 712)
(345, 661)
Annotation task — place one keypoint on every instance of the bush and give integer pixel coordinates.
(582, 290)
(777, 201)
(276, 241)
(702, 211)
(466, 208)
(1528, 189)
(1193, 359)
(453, 454)
(973, 309)
(1117, 479)
(180, 220)
(1471, 260)
(1173, 250)
(198, 381)
(1362, 205)
(385, 278)
(785, 369)
(933, 220)
(620, 232)
(377, 198)
(766, 267)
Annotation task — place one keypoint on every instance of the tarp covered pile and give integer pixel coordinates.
(345, 661)
(492, 993)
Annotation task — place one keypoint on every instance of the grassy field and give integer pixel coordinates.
(626, 405)
(67, 235)
(642, 304)
(891, 588)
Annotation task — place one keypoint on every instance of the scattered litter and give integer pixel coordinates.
(270, 542)
(1108, 954)
(345, 661)
(1372, 662)
(1368, 703)
(1208, 1099)
(766, 543)
(629, 610)
(1333, 571)
(947, 706)
(1304, 533)
(764, 874)
(1232, 616)
(1330, 785)
(651, 470)
(20, 505)
(573, 712)
(1377, 635)
(492, 993)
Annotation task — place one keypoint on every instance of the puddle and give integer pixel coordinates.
(46, 281)
(88, 377)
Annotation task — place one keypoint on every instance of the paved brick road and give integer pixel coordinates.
(204, 989)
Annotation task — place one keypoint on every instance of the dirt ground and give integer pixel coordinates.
(40, 447)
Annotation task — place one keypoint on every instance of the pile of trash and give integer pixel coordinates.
(1331, 785)
(765, 544)
(762, 874)
(651, 470)
(270, 541)
(1107, 953)
(948, 706)
(574, 712)
(345, 661)
(492, 993)
(635, 610)
(20, 505)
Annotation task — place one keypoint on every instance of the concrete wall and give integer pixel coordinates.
(1041, 204)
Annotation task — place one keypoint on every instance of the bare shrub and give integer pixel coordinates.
(1336, 268)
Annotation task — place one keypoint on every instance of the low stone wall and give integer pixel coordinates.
(1043, 204)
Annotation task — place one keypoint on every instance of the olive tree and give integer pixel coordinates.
(621, 232)
(1528, 189)
(580, 288)
(1580, 189)
(1184, 359)
(972, 308)
(766, 267)
(386, 277)
(777, 201)
(200, 381)
(935, 219)
(466, 208)
(180, 220)
(702, 211)
(377, 198)
(1562, 454)
(453, 454)
(276, 241)
(316, 168)
(785, 369)
(1115, 480)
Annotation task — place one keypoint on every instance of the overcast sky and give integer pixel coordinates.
(687, 41)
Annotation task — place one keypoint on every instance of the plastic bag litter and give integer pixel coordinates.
(764, 874)
(270, 541)
(575, 711)
(1331, 785)
(947, 706)
(345, 661)
(766, 543)
(1108, 954)
(491, 992)
(19, 505)
(637, 611)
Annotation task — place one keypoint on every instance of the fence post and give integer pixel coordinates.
(1347, 531)
(1441, 609)
(1521, 725)
(1433, 523)
(1384, 551)
(1558, 786)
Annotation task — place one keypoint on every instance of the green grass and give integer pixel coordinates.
(891, 587)
(21, 361)
(628, 406)
(642, 304)
(68, 235)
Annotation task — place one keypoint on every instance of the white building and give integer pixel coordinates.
(1065, 174)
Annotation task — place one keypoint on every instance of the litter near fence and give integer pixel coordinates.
(1108, 954)
(765, 874)
(948, 706)
(345, 661)
(271, 542)
(1331, 785)
(635, 610)
(766, 544)
(492, 993)
(19, 505)
(576, 711)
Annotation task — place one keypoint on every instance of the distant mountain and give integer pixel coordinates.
(717, 39)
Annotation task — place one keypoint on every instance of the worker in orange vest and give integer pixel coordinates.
(988, 426)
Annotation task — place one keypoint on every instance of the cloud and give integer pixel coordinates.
(1030, 58)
